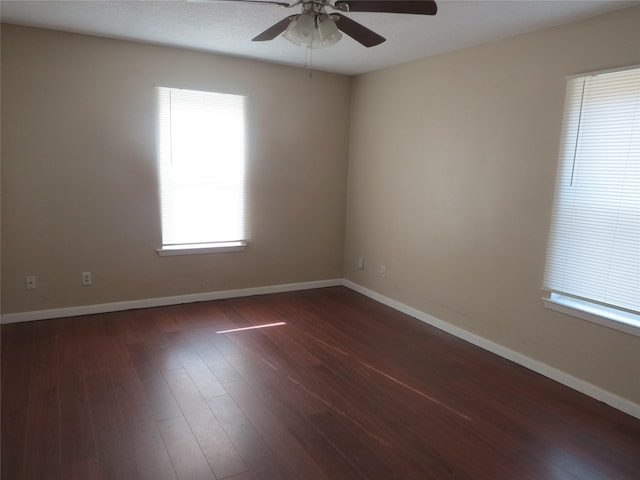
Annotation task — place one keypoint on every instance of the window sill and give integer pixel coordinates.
(195, 249)
(609, 317)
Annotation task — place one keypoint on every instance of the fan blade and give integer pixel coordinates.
(274, 30)
(417, 7)
(358, 32)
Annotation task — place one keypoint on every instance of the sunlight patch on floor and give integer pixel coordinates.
(253, 327)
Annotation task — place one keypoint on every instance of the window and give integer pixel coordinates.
(593, 258)
(202, 171)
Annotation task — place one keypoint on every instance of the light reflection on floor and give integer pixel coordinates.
(253, 327)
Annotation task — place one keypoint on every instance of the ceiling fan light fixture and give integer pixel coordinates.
(328, 31)
(317, 41)
(304, 27)
(289, 33)
(312, 29)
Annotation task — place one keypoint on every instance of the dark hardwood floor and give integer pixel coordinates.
(345, 389)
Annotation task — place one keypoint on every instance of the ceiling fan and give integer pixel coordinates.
(315, 28)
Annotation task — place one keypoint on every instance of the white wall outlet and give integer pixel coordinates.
(361, 263)
(86, 278)
(31, 282)
(383, 271)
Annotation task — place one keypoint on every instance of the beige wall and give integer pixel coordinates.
(451, 178)
(79, 187)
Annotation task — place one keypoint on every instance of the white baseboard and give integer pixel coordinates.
(163, 301)
(564, 378)
(589, 389)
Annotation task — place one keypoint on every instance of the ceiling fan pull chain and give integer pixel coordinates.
(308, 60)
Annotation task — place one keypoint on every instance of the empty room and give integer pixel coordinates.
(320, 240)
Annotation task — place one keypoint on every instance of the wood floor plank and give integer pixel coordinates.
(249, 444)
(164, 356)
(330, 460)
(163, 403)
(186, 456)
(14, 425)
(113, 346)
(92, 356)
(185, 391)
(17, 350)
(161, 400)
(68, 346)
(112, 442)
(360, 455)
(77, 442)
(43, 446)
(273, 432)
(129, 389)
(194, 365)
(149, 452)
(290, 391)
(83, 470)
(279, 336)
(215, 444)
(242, 476)
(43, 422)
(204, 342)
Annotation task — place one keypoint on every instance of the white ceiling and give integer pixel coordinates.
(226, 27)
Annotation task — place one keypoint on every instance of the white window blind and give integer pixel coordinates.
(202, 168)
(594, 244)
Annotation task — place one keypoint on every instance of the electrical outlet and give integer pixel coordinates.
(31, 282)
(86, 278)
(383, 271)
(361, 263)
